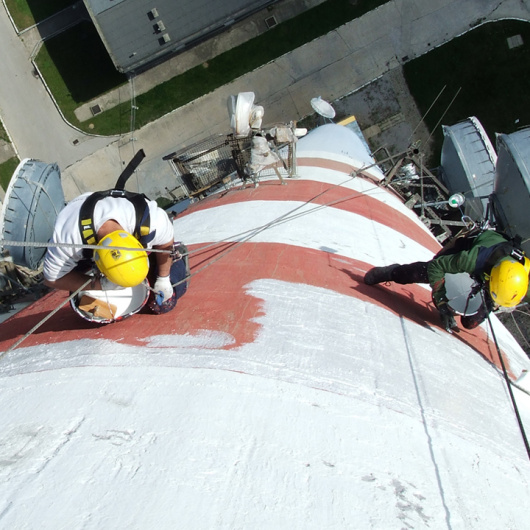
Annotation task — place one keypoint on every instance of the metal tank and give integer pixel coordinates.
(468, 164)
(511, 196)
(33, 200)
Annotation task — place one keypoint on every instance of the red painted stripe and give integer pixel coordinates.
(217, 301)
(320, 193)
(326, 163)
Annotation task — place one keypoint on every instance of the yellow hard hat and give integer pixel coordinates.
(122, 266)
(508, 282)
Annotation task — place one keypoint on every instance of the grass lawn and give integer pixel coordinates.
(26, 13)
(3, 133)
(73, 85)
(494, 81)
(77, 68)
(6, 171)
(7, 167)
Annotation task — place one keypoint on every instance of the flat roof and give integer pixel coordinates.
(136, 32)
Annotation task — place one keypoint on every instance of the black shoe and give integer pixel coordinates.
(379, 274)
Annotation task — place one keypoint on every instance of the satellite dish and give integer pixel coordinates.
(323, 108)
(240, 109)
(32, 202)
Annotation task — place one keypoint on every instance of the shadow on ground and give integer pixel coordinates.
(83, 62)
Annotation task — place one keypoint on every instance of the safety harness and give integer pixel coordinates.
(86, 214)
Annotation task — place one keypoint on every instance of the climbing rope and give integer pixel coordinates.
(45, 319)
(8, 243)
(253, 231)
(247, 235)
(510, 391)
(242, 237)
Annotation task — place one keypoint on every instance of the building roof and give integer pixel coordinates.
(136, 32)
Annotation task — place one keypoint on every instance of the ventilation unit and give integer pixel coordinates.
(164, 39)
(159, 26)
(153, 13)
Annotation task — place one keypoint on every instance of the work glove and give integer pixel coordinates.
(163, 289)
(448, 320)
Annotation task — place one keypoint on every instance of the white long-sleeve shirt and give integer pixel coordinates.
(59, 261)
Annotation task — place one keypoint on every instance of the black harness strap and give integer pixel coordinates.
(86, 222)
(488, 257)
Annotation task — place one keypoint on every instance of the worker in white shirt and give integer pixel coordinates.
(113, 218)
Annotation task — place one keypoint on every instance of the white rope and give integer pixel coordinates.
(6, 242)
(249, 234)
(254, 231)
(46, 318)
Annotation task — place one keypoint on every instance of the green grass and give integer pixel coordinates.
(77, 68)
(3, 134)
(6, 168)
(6, 171)
(26, 13)
(58, 62)
(494, 81)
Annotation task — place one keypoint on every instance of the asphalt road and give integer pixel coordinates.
(29, 114)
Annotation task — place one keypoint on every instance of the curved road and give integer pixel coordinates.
(29, 114)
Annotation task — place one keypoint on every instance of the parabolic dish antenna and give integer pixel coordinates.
(322, 107)
(33, 199)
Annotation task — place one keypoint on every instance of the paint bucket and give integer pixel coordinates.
(105, 307)
(458, 288)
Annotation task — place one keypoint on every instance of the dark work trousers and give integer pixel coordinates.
(417, 273)
(411, 273)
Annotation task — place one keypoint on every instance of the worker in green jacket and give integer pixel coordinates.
(499, 268)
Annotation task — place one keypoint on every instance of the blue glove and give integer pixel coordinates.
(163, 289)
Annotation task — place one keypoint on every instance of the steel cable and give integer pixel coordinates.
(510, 391)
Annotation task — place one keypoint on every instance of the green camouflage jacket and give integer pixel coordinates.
(485, 251)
